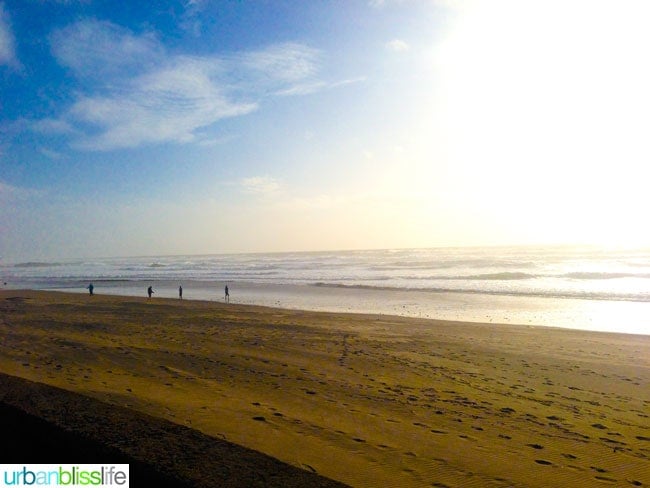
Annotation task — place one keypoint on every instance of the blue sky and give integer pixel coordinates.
(195, 126)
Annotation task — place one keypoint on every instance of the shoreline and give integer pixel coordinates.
(570, 313)
(368, 400)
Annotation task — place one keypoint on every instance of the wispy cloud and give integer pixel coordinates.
(444, 3)
(138, 93)
(7, 42)
(191, 19)
(260, 185)
(10, 193)
(167, 104)
(50, 154)
(99, 49)
(302, 89)
(288, 62)
(397, 45)
(52, 126)
(70, 2)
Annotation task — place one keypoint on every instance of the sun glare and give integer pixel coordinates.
(546, 105)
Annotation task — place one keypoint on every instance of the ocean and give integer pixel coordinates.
(575, 287)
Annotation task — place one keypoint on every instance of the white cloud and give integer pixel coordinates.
(50, 154)
(260, 185)
(168, 104)
(350, 81)
(191, 18)
(146, 95)
(397, 45)
(284, 62)
(52, 126)
(302, 89)
(454, 4)
(98, 49)
(7, 47)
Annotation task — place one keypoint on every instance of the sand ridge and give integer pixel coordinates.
(366, 400)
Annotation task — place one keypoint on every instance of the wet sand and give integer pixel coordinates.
(367, 400)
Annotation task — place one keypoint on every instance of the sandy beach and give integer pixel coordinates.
(365, 400)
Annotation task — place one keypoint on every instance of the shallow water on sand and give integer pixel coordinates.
(598, 315)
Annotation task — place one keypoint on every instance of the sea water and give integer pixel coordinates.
(575, 287)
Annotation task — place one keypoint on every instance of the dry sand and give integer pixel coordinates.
(365, 400)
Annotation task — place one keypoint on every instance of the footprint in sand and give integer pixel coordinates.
(543, 462)
(606, 479)
(535, 446)
(467, 437)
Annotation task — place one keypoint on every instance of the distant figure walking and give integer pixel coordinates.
(91, 288)
(150, 291)
(180, 292)
(227, 296)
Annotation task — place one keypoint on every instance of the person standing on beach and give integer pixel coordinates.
(150, 291)
(180, 292)
(227, 296)
(90, 289)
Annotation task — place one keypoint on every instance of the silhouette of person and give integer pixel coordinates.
(227, 296)
(150, 291)
(90, 288)
(180, 292)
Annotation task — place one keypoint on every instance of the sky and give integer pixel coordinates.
(198, 127)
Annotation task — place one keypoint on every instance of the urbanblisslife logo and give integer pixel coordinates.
(66, 475)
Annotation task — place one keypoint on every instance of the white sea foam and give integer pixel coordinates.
(402, 281)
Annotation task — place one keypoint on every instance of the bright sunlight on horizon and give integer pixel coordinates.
(546, 106)
(239, 127)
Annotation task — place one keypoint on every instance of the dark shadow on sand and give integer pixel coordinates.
(48, 425)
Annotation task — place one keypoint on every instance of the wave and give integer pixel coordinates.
(506, 276)
(550, 273)
(497, 276)
(587, 275)
(37, 264)
(565, 294)
(582, 275)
